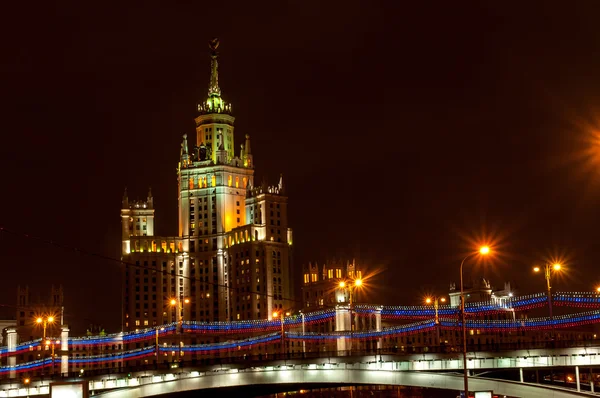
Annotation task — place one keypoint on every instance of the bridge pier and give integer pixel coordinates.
(591, 380)
(343, 323)
(577, 378)
(521, 375)
(12, 337)
(378, 327)
(64, 350)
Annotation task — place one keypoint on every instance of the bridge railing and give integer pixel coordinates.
(239, 358)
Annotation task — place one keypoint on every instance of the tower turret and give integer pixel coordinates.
(125, 200)
(247, 156)
(215, 114)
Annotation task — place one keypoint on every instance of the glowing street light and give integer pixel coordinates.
(436, 300)
(179, 305)
(44, 321)
(549, 269)
(484, 251)
(283, 315)
(350, 286)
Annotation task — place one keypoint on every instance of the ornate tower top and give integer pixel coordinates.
(214, 102)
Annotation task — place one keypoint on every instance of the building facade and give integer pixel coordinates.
(231, 259)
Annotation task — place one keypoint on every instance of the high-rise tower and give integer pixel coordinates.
(232, 256)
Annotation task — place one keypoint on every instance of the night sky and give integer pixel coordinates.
(406, 134)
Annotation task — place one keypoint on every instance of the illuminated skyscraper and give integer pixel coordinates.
(232, 256)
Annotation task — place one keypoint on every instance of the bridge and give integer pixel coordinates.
(431, 369)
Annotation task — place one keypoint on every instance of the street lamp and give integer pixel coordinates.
(44, 321)
(484, 251)
(436, 300)
(283, 315)
(350, 286)
(52, 343)
(179, 306)
(549, 269)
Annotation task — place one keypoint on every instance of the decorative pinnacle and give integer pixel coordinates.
(213, 88)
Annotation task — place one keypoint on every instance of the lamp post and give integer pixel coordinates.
(350, 287)
(179, 306)
(549, 269)
(52, 343)
(303, 331)
(44, 321)
(484, 250)
(282, 317)
(436, 300)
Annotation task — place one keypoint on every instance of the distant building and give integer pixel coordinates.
(32, 306)
(232, 257)
(320, 283)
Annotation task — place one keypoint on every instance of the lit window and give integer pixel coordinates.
(229, 180)
(306, 278)
(237, 182)
(245, 182)
(137, 322)
(338, 273)
(145, 322)
(329, 273)
(213, 181)
(191, 183)
(313, 277)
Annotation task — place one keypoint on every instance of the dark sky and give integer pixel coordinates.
(406, 133)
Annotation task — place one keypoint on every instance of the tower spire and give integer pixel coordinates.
(213, 88)
(214, 103)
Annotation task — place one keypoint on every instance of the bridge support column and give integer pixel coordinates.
(521, 375)
(343, 324)
(64, 350)
(378, 327)
(577, 378)
(12, 337)
(591, 380)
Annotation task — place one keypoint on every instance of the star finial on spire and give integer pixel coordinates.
(213, 88)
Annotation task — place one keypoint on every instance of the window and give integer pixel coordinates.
(338, 273)
(137, 322)
(329, 273)
(313, 277)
